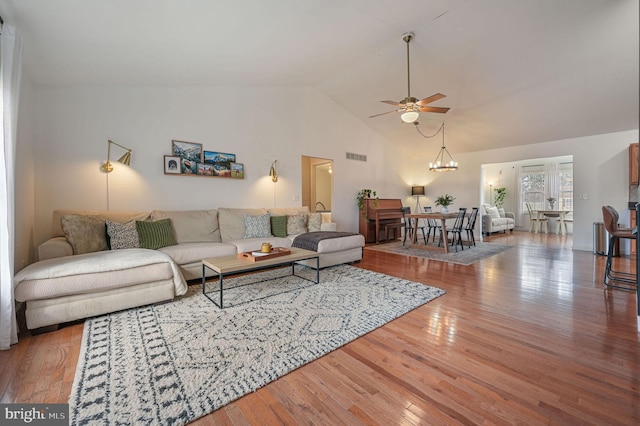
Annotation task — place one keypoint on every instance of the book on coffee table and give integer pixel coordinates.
(253, 256)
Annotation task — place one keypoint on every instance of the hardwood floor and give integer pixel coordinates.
(529, 336)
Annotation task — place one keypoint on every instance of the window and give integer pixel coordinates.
(565, 186)
(532, 185)
(542, 181)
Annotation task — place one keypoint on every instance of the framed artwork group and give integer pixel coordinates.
(189, 158)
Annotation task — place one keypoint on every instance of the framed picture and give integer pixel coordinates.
(204, 169)
(237, 170)
(172, 165)
(214, 157)
(221, 162)
(187, 150)
(188, 167)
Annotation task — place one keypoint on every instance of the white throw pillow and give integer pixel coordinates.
(493, 212)
(501, 212)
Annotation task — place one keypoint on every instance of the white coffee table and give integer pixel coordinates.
(230, 265)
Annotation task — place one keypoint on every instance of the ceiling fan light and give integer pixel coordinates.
(409, 116)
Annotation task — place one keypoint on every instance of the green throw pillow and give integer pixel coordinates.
(155, 235)
(279, 226)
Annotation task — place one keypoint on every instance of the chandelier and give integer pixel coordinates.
(441, 164)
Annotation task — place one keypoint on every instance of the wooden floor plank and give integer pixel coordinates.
(528, 336)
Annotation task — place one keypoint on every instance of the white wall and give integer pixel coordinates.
(259, 125)
(24, 253)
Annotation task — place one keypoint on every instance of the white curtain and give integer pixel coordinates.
(553, 186)
(10, 71)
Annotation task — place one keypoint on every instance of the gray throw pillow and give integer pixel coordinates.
(86, 234)
(257, 226)
(123, 235)
(296, 224)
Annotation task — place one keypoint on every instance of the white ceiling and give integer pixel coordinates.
(514, 71)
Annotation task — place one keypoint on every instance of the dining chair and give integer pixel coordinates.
(536, 223)
(432, 225)
(565, 220)
(409, 228)
(470, 226)
(610, 218)
(456, 230)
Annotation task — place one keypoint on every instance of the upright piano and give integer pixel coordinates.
(377, 215)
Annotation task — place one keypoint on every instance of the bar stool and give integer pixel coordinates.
(610, 217)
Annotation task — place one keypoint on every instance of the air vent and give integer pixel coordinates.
(357, 157)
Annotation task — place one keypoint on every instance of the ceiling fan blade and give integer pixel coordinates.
(431, 98)
(440, 110)
(394, 103)
(388, 112)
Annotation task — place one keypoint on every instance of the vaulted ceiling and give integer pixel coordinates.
(514, 71)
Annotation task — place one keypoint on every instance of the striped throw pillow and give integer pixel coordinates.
(155, 235)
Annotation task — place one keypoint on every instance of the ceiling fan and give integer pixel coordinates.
(411, 107)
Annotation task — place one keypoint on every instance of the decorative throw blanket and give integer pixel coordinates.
(310, 240)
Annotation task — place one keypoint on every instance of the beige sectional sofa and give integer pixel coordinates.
(74, 280)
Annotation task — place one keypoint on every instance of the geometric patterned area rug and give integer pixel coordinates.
(173, 363)
(461, 257)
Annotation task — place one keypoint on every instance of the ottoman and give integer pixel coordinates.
(334, 247)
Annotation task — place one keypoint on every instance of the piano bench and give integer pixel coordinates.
(395, 227)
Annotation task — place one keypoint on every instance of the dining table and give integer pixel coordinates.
(442, 217)
(560, 214)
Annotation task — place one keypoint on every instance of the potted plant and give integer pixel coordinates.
(365, 194)
(552, 202)
(498, 199)
(444, 201)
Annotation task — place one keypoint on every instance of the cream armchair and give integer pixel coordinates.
(496, 219)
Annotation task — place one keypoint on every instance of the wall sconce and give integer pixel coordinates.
(107, 167)
(273, 172)
(125, 159)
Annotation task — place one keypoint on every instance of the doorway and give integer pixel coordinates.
(317, 183)
(534, 182)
